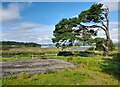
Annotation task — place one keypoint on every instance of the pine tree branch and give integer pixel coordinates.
(93, 26)
(102, 23)
(106, 16)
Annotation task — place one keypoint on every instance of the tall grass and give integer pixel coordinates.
(89, 71)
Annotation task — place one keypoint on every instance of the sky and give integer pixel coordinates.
(35, 21)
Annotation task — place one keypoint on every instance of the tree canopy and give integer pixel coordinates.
(70, 29)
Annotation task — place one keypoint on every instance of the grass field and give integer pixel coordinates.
(95, 70)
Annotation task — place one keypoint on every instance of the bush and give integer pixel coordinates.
(69, 59)
(85, 53)
(100, 41)
(49, 71)
(117, 58)
(91, 49)
(112, 46)
(23, 75)
(65, 53)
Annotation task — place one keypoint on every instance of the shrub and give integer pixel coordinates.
(49, 71)
(100, 41)
(85, 53)
(11, 76)
(117, 57)
(69, 59)
(23, 75)
(65, 53)
(91, 49)
(67, 74)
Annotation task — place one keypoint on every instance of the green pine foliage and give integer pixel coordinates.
(100, 41)
(65, 33)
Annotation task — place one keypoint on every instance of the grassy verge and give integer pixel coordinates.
(89, 71)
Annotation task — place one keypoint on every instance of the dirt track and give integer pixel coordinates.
(33, 66)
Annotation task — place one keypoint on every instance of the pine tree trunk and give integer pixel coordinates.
(106, 45)
(105, 52)
(106, 49)
(107, 41)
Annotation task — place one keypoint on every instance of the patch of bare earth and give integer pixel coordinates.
(33, 66)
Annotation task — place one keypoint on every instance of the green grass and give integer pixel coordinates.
(70, 77)
(89, 71)
(15, 59)
(30, 58)
(32, 49)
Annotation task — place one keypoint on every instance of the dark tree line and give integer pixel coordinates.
(13, 44)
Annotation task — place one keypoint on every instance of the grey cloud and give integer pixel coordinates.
(113, 32)
(11, 13)
(112, 5)
(30, 32)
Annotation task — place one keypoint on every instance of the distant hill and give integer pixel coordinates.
(13, 44)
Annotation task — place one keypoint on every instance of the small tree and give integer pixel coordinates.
(99, 42)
